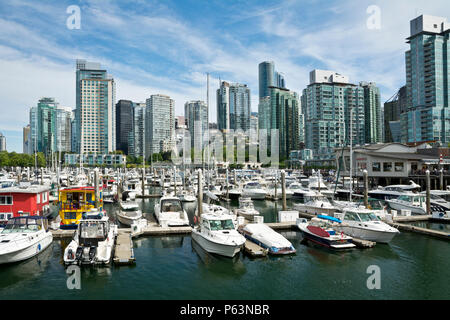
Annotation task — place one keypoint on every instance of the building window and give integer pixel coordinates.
(376, 167)
(387, 166)
(6, 200)
(399, 166)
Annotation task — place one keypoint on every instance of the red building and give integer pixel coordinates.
(18, 201)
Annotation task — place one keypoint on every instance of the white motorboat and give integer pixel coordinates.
(93, 241)
(394, 191)
(321, 230)
(23, 238)
(217, 234)
(254, 190)
(268, 238)
(414, 202)
(187, 196)
(364, 224)
(170, 213)
(129, 205)
(246, 209)
(441, 217)
(315, 203)
(129, 217)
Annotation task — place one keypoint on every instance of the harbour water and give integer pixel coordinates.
(412, 266)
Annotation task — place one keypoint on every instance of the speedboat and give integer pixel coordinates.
(364, 224)
(128, 217)
(170, 213)
(315, 203)
(254, 190)
(216, 233)
(129, 205)
(414, 202)
(23, 238)
(246, 208)
(320, 230)
(93, 241)
(269, 239)
(394, 191)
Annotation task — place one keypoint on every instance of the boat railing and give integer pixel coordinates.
(78, 205)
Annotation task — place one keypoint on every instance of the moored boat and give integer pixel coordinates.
(269, 239)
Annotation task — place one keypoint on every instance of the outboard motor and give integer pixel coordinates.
(70, 255)
(79, 253)
(92, 252)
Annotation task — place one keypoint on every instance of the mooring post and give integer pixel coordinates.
(283, 189)
(199, 194)
(366, 188)
(428, 192)
(441, 180)
(143, 183)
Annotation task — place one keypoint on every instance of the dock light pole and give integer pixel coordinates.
(366, 188)
(283, 189)
(428, 191)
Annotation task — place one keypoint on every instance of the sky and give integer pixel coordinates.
(168, 47)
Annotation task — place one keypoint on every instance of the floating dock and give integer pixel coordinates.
(254, 250)
(425, 231)
(124, 253)
(63, 234)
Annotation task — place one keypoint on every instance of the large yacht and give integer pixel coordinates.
(414, 202)
(393, 191)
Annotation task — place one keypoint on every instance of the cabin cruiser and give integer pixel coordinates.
(128, 217)
(414, 202)
(216, 233)
(134, 188)
(170, 213)
(23, 238)
(93, 241)
(378, 207)
(321, 230)
(129, 205)
(317, 184)
(246, 208)
(364, 224)
(441, 217)
(269, 239)
(254, 190)
(393, 191)
(438, 200)
(187, 195)
(315, 203)
(234, 192)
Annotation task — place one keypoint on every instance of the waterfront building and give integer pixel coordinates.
(233, 107)
(393, 108)
(427, 117)
(2, 142)
(159, 124)
(327, 103)
(196, 117)
(95, 109)
(124, 125)
(372, 113)
(92, 159)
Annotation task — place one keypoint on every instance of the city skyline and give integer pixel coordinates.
(40, 64)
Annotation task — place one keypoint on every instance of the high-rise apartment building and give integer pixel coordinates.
(372, 113)
(393, 108)
(327, 103)
(95, 109)
(427, 117)
(2, 142)
(196, 117)
(233, 106)
(64, 129)
(136, 141)
(46, 125)
(159, 124)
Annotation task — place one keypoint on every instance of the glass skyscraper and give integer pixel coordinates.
(233, 106)
(427, 117)
(269, 77)
(372, 113)
(196, 117)
(124, 124)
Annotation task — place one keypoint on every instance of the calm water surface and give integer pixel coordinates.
(173, 267)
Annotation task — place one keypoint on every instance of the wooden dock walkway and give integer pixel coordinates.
(425, 231)
(124, 253)
(63, 234)
(254, 250)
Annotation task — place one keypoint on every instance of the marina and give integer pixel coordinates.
(145, 244)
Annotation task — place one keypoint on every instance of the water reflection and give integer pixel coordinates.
(218, 265)
(26, 270)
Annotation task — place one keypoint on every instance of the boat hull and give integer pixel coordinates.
(370, 235)
(216, 248)
(28, 252)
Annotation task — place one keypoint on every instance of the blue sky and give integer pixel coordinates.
(167, 47)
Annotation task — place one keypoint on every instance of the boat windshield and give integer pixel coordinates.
(92, 230)
(171, 206)
(368, 216)
(216, 225)
(252, 185)
(22, 225)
